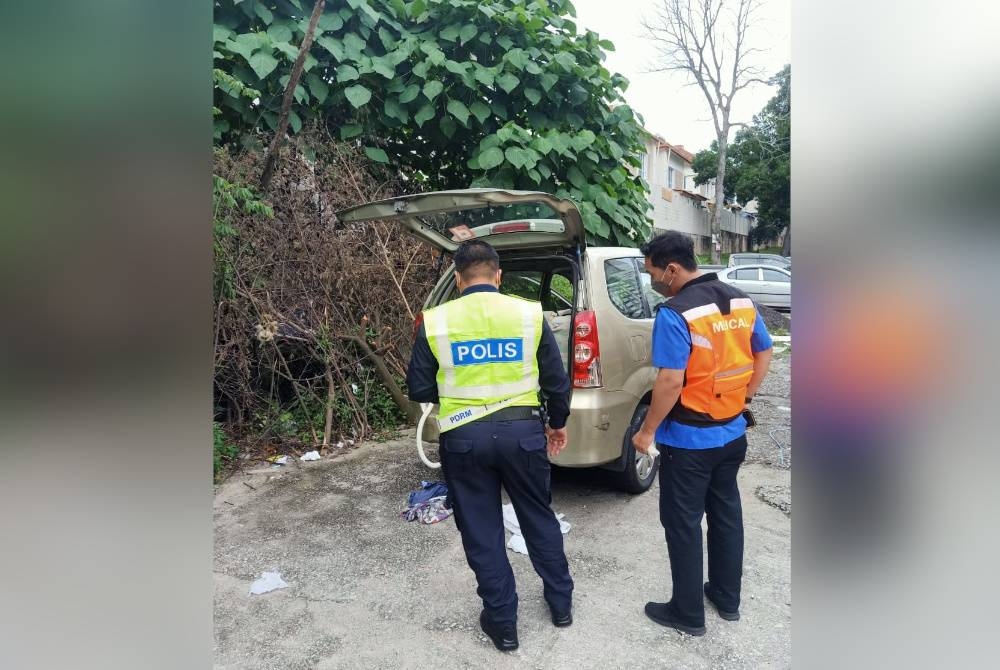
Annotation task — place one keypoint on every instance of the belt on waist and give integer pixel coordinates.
(512, 414)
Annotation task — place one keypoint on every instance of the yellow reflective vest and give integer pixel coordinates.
(486, 347)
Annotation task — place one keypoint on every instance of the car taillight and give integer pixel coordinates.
(417, 322)
(586, 352)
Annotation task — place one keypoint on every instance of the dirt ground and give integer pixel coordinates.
(368, 590)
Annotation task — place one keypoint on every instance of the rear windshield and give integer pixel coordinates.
(543, 216)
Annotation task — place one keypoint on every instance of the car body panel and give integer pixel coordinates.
(770, 292)
(433, 218)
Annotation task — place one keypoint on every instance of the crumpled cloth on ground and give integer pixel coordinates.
(428, 504)
(429, 511)
(516, 541)
(427, 491)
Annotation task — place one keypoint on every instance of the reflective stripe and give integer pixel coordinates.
(701, 341)
(452, 390)
(528, 320)
(734, 372)
(696, 313)
(741, 303)
(440, 321)
(467, 414)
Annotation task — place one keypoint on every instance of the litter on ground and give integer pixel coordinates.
(310, 456)
(269, 581)
(516, 542)
(428, 504)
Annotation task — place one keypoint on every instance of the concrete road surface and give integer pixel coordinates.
(369, 590)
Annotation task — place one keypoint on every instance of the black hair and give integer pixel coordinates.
(668, 247)
(476, 258)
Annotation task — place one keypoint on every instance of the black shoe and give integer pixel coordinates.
(728, 616)
(561, 619)
(504, 637)
(660, 613)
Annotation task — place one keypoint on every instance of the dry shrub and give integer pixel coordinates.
(313, 318)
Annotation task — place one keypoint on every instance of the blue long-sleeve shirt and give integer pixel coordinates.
(421, 375)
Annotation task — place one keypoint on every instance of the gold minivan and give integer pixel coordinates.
(597, 300)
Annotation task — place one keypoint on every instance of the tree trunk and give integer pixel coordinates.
(786, 246)
(286, 102)
(720, 195)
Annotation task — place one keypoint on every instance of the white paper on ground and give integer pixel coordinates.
(268, 581)
(310, 456)
(516, 542)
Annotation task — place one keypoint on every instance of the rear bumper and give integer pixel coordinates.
(596, 426)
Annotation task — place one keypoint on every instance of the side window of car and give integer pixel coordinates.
(522, 283)
(560, 294)
(652, 297)
(774, 275)
(623, 287)
(745, 274)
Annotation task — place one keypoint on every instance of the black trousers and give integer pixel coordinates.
(477, 459)
(695, 483)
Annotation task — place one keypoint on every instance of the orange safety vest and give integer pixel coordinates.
(720, 319)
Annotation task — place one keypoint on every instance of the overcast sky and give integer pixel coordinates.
(680, 113)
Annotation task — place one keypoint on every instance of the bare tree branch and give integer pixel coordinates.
(707, 40)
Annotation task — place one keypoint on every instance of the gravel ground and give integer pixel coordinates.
(371, 591)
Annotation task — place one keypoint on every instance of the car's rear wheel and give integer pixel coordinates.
(640, 469)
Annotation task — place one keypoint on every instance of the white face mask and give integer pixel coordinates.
(660, 287)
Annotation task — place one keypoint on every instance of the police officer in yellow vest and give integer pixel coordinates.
(712, 350)
(484, 357)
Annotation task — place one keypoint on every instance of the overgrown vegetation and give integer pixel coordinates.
(313, 319)
(223, 451)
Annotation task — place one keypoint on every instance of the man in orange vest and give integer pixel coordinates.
(712, 350)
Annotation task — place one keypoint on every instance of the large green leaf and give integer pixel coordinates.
(410, 93)
(333, 45)
(263, 63)
(507, 82)
(458, 109)
(490, 158)
(484, 76)
(448, 126)
(517, 57)
(548, 80)
(329, 22)
(279, 32)
(220, 33)
(319, 88)
(351, 130)
(533, 95)
(454, 67)
(424, 114)
(432, 89)
(376, 154)
(394, 110)
(294, 122)
(357, 95)
(565, 60)
(263, 12)
(384, 67)
(347, 73)
(450, 33)
(576, 177)
(353, 45)
(468, 32)
(480, 110)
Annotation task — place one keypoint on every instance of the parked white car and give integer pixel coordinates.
(765, 284)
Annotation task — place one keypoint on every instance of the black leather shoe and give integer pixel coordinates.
(562, 619)
(660, 613)
(504, 637)
(728, 616)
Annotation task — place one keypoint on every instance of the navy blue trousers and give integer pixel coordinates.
(696, 483)
(480, 457)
